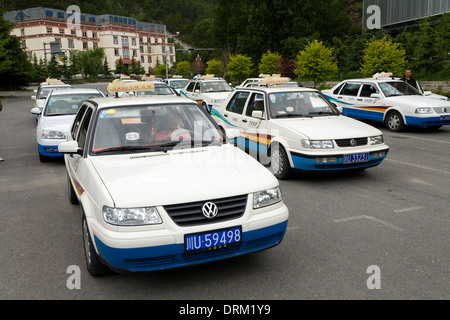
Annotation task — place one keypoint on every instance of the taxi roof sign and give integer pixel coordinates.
(52, 80)
(208, 76)
(121, 86)
(380, 75)
(148, 78)
(274, 79)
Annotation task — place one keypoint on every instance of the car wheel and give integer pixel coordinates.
(279, 162)
(94, 265)
(72, 195)
(394, 121)
(43, 158)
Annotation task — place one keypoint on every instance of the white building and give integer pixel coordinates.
(46, 31)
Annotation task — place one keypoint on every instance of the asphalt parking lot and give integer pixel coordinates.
(394, 219)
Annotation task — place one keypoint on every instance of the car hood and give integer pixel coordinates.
(416, 101)
(60, 123)
(179, 176)
(329, 127)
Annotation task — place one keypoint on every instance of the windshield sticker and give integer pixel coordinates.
(132, 136)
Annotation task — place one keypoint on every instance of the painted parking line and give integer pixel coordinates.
(417, 166)
(390, 225)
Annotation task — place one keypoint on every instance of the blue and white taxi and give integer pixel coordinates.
(294, 128)
(389, 100)
(56, 117)
(177, 82)
(160, 186)
(208, 91)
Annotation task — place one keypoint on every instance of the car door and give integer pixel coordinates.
(349, 95)
(254, 124)
(369, 107)
(79, 133)
(235, 108)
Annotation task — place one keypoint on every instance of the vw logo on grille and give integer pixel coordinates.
(353, 142)
(210, 210)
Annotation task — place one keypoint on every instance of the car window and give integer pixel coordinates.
(336, 91)
(178, 84)
(197, 86)
(351, 89)
(238, 101)
(69, 104)
(84, 128)
(190, 87)
(77, 121)
(256, 103)
(397, 88)
(367, 90)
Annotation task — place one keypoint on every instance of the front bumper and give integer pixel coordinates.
(426, 121)
(49, 150)
(308, 162)
(164, 249)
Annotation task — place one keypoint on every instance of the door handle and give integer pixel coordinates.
(359, 99)
(245, 121)
(225, 115)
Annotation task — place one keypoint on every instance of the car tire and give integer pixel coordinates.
(279, 162)
(72, 195)
(94, 266)
(43, 158)
(394, 121)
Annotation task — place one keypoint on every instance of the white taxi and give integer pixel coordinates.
(44, 89)
(208, 91)
(389, 100)
(160, 187)
(177, 82)
(294, 128)
(56, 117)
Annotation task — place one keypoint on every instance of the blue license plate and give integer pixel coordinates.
(355, 158)
(445, 118)
(213, 240)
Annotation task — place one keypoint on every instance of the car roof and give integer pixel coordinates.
(74, 91)
(277, 89)
(108, 102)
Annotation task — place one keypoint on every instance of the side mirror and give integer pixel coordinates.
(197, 91)
(70, 147)
(257, 114)
(36, 111)
(375, 95)
(232, 133)
(33, 97)
(427, 93)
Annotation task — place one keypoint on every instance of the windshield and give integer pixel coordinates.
(44, 91)
(300, 104)
(216, 86)
(153, 128)
(160, 89)
(59, 105)
(178, 84)
(397, 88)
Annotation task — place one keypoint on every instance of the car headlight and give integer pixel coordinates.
(52, 134)
(424, 110)
(317, 144)
(131, 216)
(266, 197)
(377, 139)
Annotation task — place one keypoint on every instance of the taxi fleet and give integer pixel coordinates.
(157, 184)
(291, 128)
(390, 101)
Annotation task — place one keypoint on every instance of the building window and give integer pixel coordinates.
(85, 45)
(73, 32)
(84, 34)
(22, 32)
(49, 30)
(115, 40)
(95, 46)
(133, 41)
(142, 59)
(125, 41)
(126, 53)
(61, 31)
(134, 53)
(116, 52)
(94, 35)
(70, 43)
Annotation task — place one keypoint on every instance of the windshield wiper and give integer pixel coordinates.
(322, 112)
(130, 148)
(290, 115)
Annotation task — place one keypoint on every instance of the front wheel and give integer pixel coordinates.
(279, 162)
(394, 121)
(94, 265)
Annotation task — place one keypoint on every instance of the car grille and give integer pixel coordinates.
(343, 143)
(190, 214)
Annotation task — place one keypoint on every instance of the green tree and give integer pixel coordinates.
(316, 63)
(383, 55)
(90, 62)
(15, 69)
(239, 67)
(160, 70)
(270, 63)
(121, 68)
(53, 68)
(215, 67)
(430, 52)
(136, 67)
(183, 69)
